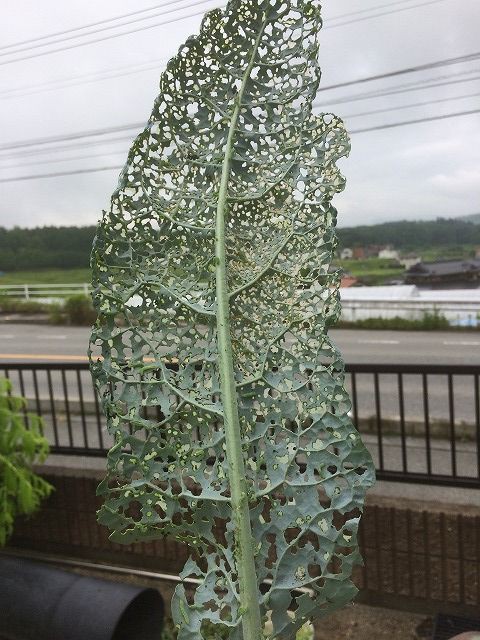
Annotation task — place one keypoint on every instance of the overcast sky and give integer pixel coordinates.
(418, 171)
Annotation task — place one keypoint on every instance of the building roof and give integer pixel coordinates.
(445, 268)
(408, 292)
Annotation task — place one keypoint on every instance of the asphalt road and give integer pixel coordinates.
(24, 343)
(42, 342)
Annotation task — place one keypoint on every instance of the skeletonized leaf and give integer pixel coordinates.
(233, 119)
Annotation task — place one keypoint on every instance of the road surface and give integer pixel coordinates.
(32, 343)
(24, 343)
(42, 342)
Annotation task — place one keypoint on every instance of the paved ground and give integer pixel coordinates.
(34, 343)
(31, 342)
(23, 343)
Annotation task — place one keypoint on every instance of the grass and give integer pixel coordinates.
(429, 322)
(46, 276)
(372, 270)
(456, 252)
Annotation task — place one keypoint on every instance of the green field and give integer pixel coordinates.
(372, 270)
(46, 276)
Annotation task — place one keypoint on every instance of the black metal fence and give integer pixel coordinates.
(420, 422)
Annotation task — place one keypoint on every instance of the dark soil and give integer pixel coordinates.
(361, 622)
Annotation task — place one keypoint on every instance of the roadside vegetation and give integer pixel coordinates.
(429, 322)
(372, 271)
(75, 311)
(46, 276)
(78, 311)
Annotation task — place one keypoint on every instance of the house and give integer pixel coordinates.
(388, 253)
(348, 281)
(409, 260)
(358, 253)
(346, 254)
(449, 274)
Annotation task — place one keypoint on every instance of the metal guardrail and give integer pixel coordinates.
(420, 422)
(32, 291)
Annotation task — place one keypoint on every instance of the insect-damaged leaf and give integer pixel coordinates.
(233, 117)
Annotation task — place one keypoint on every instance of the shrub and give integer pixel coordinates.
(21, 491)
(78, 310)
(430, 321)
(14, 305)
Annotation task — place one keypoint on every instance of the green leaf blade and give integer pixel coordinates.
(211, 273)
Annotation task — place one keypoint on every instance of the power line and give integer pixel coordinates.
(105, 28)
(57, 174)
(354, 131)
(124, 138)
(108, 37)
(54, 161)
(67, 147)
(470, 57)
(393, 91)
(32, 41)
(381, 6)
(418, 85)
(128, 70)
(86, 26)
(392, 125)
(116, 35)
(72, 136)
(385, 13)
(54, 85)
(410, 106)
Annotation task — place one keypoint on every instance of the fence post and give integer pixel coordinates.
(26, 292)
(85, 288)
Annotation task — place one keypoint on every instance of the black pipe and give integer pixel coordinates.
(38, 602)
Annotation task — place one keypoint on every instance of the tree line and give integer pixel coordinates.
(413, 235)
(45, 248)
(69, 247)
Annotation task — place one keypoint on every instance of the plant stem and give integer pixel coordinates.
(245, 560)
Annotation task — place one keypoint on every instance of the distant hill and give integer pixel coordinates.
(473, 217)
(69, 247)
(45, 248)
(413, 235)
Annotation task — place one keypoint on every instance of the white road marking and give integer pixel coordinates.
(51, 337)
(6, 336)
(463, 343)
(378, 341)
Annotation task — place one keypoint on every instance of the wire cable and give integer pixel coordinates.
(106, 28)
(359, 11)
(67, 147)
(410, 106)
(470, 57)
(54, 85)
(385, 13)
(107, 37)
(128, 70)
(32, 41)
(116, 35)
(393, 91)
(123, 138)
(61, 173)
(392, 125)
(354, 131)
(86, 26)
(72, 136)
(416, 86)
(56, 160)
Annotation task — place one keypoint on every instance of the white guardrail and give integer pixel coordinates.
(29, 291)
